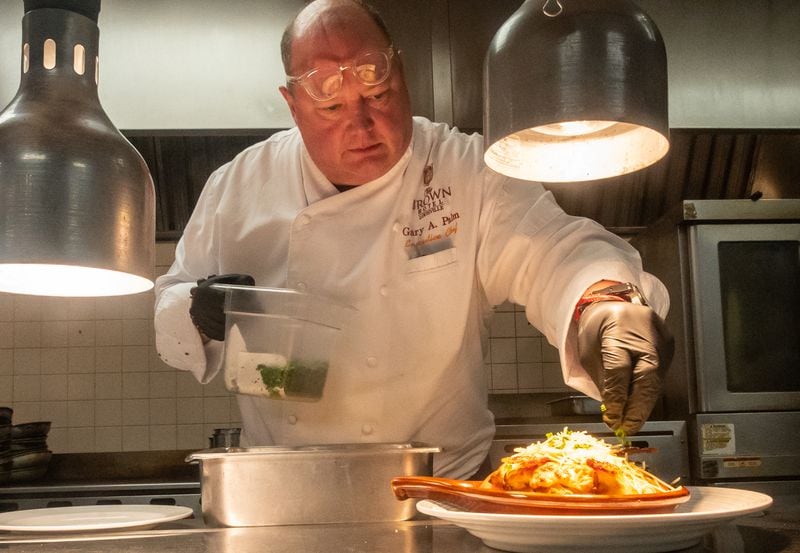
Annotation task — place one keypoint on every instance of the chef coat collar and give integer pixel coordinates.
(318, 187)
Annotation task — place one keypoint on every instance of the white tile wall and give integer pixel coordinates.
(89, 365)
(520, 360)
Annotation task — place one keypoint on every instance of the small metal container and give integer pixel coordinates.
(276, 485)
(225, 437)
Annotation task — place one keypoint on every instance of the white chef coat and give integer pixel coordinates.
(423, 253)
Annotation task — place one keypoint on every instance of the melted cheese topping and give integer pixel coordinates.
(573, 463)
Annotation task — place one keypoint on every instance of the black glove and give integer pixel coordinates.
(627, 349)
(208, 304)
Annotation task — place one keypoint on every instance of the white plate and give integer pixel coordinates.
(706, 509)
(91, 517)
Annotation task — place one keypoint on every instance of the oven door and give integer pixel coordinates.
(745, 446)
(746, 315)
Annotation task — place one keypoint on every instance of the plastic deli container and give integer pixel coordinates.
(279, 342)
(315, 484)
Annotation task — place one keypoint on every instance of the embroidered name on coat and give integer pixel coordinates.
(432, 201)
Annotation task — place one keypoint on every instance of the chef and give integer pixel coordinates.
(399, 217)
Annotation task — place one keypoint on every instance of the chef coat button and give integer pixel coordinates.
(301, 286)
(372, 362)
(291, 419)
(384, 291)
(367, 429)
(305, 219)
(396, 227)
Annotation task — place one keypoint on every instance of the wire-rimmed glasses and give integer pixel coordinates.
(324, 83)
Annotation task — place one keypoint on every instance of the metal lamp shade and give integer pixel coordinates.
(77, 202)
(575, 90)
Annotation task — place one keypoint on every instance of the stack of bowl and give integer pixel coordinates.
(30, 456)
(5, 443)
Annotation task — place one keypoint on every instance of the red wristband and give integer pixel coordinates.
(588, 300)
(624, 291)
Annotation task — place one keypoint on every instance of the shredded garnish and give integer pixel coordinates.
(623, 439)
(573, 462)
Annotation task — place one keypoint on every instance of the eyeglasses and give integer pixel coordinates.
(324, 83)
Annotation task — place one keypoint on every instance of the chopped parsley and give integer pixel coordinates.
(295, 379)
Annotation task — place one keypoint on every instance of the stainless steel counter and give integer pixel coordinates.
(776, 532)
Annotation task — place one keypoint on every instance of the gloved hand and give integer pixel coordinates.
(208, 304)
(627, 349)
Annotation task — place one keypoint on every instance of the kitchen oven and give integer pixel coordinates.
(733, 271)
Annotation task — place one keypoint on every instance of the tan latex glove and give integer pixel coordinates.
(626, 349)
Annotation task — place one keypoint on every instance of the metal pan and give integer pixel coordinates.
(274, 485)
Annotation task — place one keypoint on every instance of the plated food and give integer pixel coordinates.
(568, 473)
(572, 462)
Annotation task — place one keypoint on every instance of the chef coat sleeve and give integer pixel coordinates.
(535, 255)
(177, 341)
